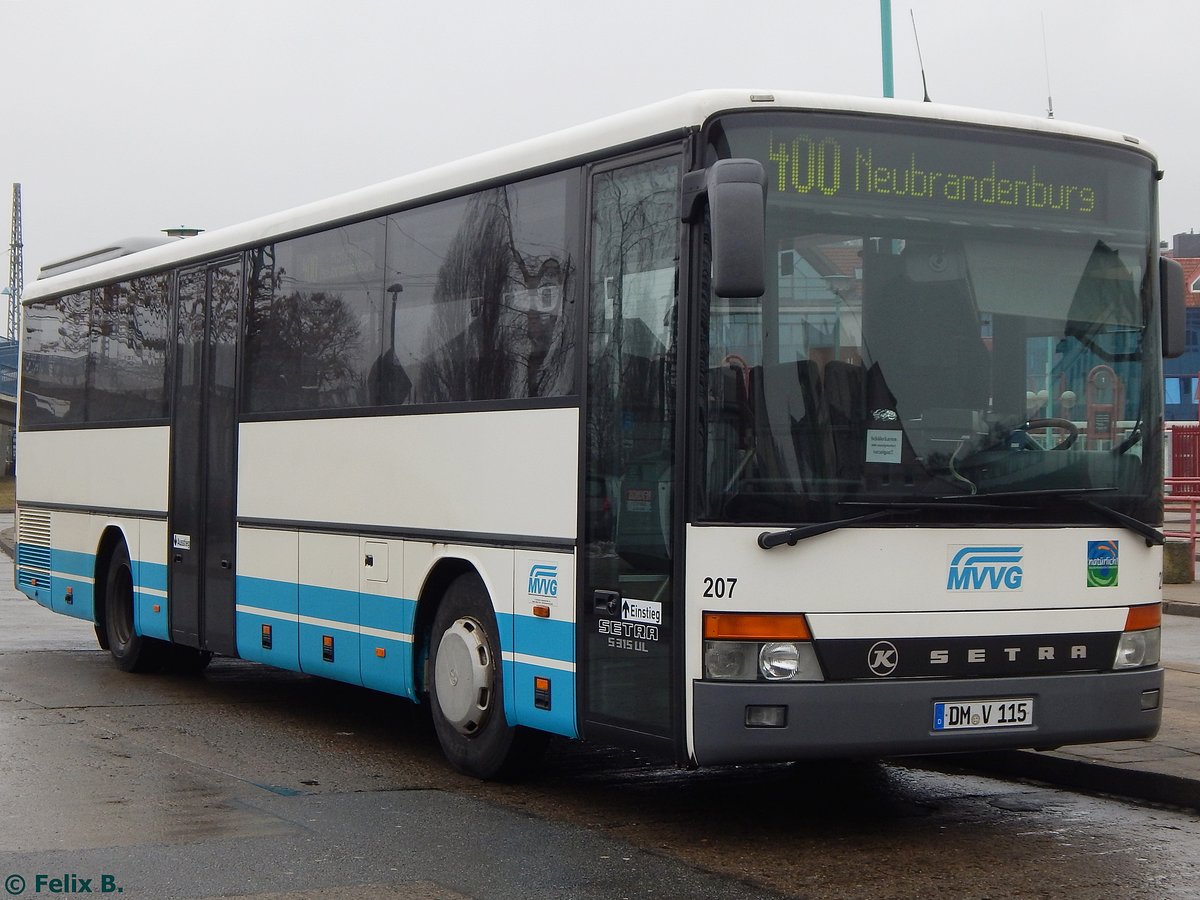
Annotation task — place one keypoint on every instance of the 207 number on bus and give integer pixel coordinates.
(720, 588)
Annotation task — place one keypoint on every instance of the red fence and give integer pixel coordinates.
(1180, 500)
(1183, 440)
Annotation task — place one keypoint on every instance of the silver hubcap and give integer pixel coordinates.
(463, 676)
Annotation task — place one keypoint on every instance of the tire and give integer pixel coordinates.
(130, 651)
(466, 688)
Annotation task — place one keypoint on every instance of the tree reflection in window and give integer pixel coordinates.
(484, 294)
(312, 320)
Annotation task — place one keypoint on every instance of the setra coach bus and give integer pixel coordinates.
(741, 427)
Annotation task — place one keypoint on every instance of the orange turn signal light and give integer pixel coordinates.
(756, 627)
(1142, 617)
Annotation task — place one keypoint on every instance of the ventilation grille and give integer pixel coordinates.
(33, 544)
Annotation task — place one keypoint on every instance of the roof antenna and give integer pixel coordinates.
(1046, 57)
(920, 60)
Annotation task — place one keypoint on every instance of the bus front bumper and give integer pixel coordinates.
(861, 719)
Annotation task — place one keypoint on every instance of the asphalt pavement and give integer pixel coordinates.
(1163, 770)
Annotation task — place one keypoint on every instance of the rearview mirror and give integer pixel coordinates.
(737, 203)
(1173, 299)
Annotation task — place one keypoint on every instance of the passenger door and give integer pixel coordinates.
(625, 611)
(201, 520)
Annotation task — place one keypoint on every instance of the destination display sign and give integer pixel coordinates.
(878, 166)
(944, 172)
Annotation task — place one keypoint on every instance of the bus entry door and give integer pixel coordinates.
(625, 611)
(201, 519)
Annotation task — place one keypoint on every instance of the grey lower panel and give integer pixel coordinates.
(895, 718)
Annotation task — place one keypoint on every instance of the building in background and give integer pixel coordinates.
(1181, 376)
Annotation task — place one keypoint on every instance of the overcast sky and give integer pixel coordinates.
(124, 117)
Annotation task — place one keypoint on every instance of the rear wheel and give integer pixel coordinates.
(130, 651)
(466, 688)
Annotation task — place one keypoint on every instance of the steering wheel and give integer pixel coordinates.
(1056, 424)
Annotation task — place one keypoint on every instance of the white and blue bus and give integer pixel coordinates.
(739, 427)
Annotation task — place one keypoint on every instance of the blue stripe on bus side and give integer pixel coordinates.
(385, 662)
(532, 639)
(268, 594)
(506, 623)
(39, 559)
(560, 717)
(32, 555)
(65, 564)
(148, 576)
(547, 638)
(338, 611)
(344, 665)
(51, 591)
(391, 671)
(152, 576)
(280, 598)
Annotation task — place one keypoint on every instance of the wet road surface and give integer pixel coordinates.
(252, 782)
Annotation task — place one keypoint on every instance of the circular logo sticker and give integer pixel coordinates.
(882, 658)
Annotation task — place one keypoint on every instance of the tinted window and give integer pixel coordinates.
(128, 350)
(313, 320)
(55, 360)
(481, 290)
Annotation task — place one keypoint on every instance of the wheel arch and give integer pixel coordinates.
(439, 578)
(110, 537)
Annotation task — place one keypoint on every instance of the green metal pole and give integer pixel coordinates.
(885, 35)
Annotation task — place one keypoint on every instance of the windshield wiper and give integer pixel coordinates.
(1046, 493)
(1152, 535)
(791, 536)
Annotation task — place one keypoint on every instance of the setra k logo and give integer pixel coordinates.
(882, 658)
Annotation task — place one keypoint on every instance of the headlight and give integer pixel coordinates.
(731, 660)
(759, 647)
(1138, 648)
(789, 661)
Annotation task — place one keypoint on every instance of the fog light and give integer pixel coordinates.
(788, 661)
(1138, 648)
(731, 660)
(1150, 699)
(766, 716)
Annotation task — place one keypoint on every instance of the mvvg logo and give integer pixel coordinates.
(985, 569)
(543, 580)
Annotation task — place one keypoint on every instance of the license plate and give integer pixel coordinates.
(955, 715)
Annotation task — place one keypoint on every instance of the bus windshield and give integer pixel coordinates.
(950, 313)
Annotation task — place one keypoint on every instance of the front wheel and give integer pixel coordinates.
(131, 651)
(466, 688)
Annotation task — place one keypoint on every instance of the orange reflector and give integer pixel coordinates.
(542, 612)
(1142, 617)
(156, 608)
(755, 627)
(541, 683)
(380, 652)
